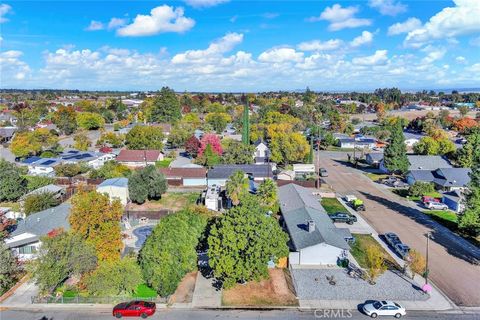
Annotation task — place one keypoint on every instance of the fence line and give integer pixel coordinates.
(92, 300)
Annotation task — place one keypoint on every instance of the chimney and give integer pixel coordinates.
(311, 225)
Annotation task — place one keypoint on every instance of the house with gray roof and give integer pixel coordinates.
(314, 239)
(444, 179)
(421, 162)
(219, 174)
(25, 239)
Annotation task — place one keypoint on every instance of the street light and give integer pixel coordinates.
(429, 234)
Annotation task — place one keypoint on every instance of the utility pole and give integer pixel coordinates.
(426, 264)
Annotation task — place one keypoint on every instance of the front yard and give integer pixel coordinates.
(275, 291)
(332, 205)
(358, 249)
(376, 176)
(404, 193)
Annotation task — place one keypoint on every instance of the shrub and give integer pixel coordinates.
(420, 188)
(70, 169)
(146, 183)
(35, 182)
(38, 202)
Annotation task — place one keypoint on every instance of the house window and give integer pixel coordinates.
(27, 250)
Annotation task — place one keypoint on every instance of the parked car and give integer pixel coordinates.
(426, 199)
(403, 250)
(343, 217)
(142, 309)
(358, 205)
(394, 182)
(384, 308)
(392, 239)
(432, 205)
(323, 172)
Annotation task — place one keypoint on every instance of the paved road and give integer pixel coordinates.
(449, 255)
(176, 314)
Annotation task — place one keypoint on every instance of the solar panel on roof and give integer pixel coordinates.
(73, 151)
(31, 159)
(48, 162)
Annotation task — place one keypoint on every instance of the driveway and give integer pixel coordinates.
(450, 256)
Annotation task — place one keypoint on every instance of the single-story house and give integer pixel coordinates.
(139, 158)
(92, 159)
(303, 168)
(454, 200)
(187, 177)
(357, 143)
(446, 179)
(25, 239)
(420, 162)
(42, 166)
(6, 133)
(57, 191)
(262, 152)
(314, 239)
(374, 159)
(116, 188)
(219, 174)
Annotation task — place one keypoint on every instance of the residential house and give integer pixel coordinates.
(314, 239)
(219, 174)
(374, 159)
(262, 152)
(186, 177)
(455, 200)
(6, 134)
(25, 239)
(420, 162)
(303, 170)
(358, 142)
(139, 158)
(115, 188)
(57, 191)
(92, 159)
(41, 166)
(444, 179)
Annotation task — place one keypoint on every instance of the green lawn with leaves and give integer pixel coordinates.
(332, 205)
(144, 291)
(163, 163)
(445, 217)
(376, 176)
(404, 193)
(362, 242)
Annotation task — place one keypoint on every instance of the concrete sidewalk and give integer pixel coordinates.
(22, 295)
(205, 294)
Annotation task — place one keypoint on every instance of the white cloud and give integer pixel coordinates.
(365, 38)
(4, 10)
(317, 45)
(161, 19)
(341, 18)
(433, 54)
(388, 7)
(270, 15)
(215, 49)
(279, 55)
(12, 67)
(461, 60)
(403, 27)
(378, 58)
(475, 42)
(117, 23)
(204, 3)
(95, 26)
(451, 22)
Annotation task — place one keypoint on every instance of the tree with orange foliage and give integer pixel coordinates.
(97, 221)
(464, 124)
(380, 110)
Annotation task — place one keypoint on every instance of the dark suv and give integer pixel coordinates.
(343, 217)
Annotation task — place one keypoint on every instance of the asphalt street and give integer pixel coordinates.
(177, 314)
(450, 257)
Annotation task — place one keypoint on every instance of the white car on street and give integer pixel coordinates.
(384, 308)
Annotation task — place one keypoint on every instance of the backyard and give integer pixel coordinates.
(275, 291)
(332, 205)
(173, 201)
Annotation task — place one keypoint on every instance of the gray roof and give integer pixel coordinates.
(7, 132)
(51, 188)
(418, 162)
(299, 205)
(422, 175)
(114, 182)
(452, 177)
(225, 171)
(455, 195)
(41, 223)
(375, 156)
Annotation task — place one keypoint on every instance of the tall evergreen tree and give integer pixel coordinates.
(166, 107)
(469, 221)
(395, 155)
(246, 124)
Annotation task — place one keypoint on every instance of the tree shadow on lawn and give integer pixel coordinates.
(440, 234)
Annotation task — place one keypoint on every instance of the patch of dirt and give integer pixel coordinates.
(184, 292)
(275, 291)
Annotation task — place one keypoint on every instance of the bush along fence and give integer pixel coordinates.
(92, 300)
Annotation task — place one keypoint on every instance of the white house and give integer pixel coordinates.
(115, 188)
(262, 152)
(303, 169)
(25, 239)
(314, 239)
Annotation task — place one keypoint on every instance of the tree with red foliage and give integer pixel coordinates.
(192, 145)
(464, 124)
(212, 140)
(5, 224)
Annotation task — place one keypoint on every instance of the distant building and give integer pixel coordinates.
(219, 174)
(139, 158)
(6, 133)
(420, 162)
(25, 239)
(115, 188)
(262, 152)
(186, 177)
(358, 143)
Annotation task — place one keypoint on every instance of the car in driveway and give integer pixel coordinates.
(343, 217)
(394, 182)
(403, 250)
(432, 205)
(384, 308)
(142, 309)
(392, 239)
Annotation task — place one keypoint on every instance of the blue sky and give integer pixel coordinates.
(221, 45)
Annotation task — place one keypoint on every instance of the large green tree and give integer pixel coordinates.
(39, 201)
(395, 154)
(469, 155)
(146, 183)
(243, 241)
(169, 252)
(236, 152)
(90, 120)
(62, 255)
(267, 194)
(12, 184)
(8, 268)
(144, 138)
(165, 107)
(65, 118)
(469, 221)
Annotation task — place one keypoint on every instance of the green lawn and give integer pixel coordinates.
(163, 163)
(332, 205)
(144, 291)
(14, 206)
(177, 199)
(404, 193)
(447, 218)
(358, 249)
(376, 176)
(335, 148)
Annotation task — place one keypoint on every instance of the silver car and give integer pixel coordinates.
(384, 308)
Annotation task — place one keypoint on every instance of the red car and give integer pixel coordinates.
(142, 309)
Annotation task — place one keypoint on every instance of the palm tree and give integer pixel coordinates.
(267, 194)
(236, 185)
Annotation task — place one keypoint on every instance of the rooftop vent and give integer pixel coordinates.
(311, 225)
